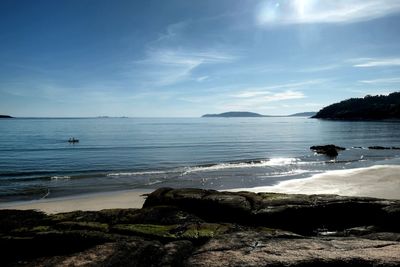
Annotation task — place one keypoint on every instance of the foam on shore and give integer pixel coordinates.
(380, 181)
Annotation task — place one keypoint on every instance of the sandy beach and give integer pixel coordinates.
(380, 181)
(98, 201)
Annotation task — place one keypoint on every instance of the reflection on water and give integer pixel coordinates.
(35, 157)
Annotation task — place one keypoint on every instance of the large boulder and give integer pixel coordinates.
(309, 212)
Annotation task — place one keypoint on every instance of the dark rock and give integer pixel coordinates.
(388, 236)
(138, 253)
(176, 253)
(310, 212)
(13, 219)
(257, 249)
(329, 150)
(156, 214)
(208, 204)
(48, 243)
(378, 147)
(194, 227)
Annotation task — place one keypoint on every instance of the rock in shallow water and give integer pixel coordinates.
(329, 150)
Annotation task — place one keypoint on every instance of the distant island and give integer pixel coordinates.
(244, 114)
(234, 114)
(5, 117)
(379, 107)
(304, 114)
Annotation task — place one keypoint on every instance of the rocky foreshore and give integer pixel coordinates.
(194, 227)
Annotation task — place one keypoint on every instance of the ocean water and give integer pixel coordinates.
(36, 161)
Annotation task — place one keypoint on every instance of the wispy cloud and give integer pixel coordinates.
(312, 11)
(259, 102)
(167, 61)
(173, 31)
(267, 96)
(163, 67)
(202, 78)
(376, 62)
(266, 90)
(319, 68)
(382, 81)
(260, 98)
(252, 98)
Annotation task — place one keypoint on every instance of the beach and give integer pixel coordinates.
(381, 181)
(88, 202)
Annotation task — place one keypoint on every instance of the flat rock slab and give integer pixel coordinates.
(255, 249)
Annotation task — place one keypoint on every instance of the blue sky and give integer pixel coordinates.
(180, 58)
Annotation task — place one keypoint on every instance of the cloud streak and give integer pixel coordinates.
(382, 81)
(163, 67)
(313, 11)
(376, 62)
(166, 62)
(265, 91)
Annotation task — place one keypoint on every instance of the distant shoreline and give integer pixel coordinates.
(247, 114)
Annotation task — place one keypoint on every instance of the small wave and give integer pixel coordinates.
(244, 164)
(60, 177)
(290, 173)
(358, 147)
(154, 182)
(282, 161)
(134, 173)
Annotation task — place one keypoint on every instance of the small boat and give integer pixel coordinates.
(73, 140)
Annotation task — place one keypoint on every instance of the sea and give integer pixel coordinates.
(37, 161)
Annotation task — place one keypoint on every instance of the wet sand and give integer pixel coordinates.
(98, 201)
(380, 181)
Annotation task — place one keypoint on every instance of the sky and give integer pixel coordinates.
(179, 58)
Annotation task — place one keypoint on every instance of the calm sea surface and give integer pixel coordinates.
(36, 161)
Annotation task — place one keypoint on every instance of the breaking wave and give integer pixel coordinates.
(241, 165)
(60, 177)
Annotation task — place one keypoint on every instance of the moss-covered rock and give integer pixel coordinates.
(90, 226)
(304, 214)
(148, 230)
(24, 231)
(186, 227)
(205, 230)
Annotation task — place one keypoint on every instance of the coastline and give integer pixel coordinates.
(378, 181)
(126, 199)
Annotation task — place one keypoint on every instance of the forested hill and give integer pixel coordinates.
(5, 117)
(234, 114)
(368, 108)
